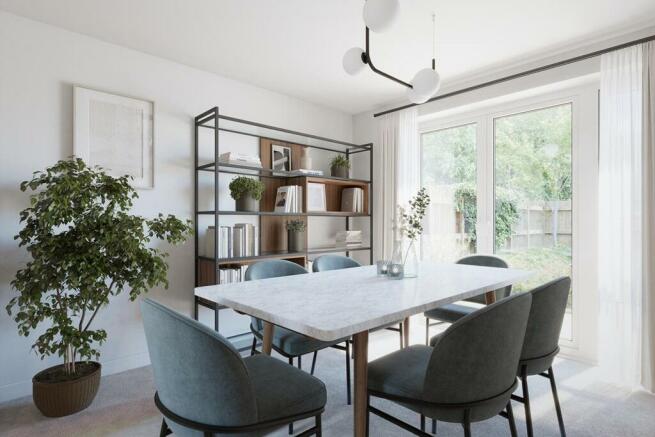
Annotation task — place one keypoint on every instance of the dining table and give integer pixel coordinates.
(348, 303)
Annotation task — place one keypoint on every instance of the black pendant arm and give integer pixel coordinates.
(366, 58)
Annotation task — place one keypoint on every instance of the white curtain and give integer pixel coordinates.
(648, 211)
(625, 214)
(399, 171)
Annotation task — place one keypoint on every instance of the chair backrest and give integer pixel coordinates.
(546, 318)
(333, 262)
(199, 375)
(487, 261)
(468, 363)
(271, 269)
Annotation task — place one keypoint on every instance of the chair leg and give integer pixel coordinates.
(164, 431)
(291, 428)
(434, 426)
(300, 362)
(558, 409)
(319, 426)
(526, 401)
(422, 423)
(467, 423)
(313, 362)
(510, 419)
(254, 345)
(348, 390)
(427, 331)
(400, 332)
(291, 361)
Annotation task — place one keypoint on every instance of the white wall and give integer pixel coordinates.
(38, 66)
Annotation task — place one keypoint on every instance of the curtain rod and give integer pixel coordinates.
(524, 73)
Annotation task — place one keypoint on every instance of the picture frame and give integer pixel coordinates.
(116, 133)
(280, 157)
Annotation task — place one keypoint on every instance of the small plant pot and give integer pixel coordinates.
(296, 241)
(62, 398)
(247, 203)
(340, 172)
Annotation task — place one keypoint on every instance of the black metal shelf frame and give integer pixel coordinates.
(211, 119)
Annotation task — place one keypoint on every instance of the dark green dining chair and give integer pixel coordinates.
(335, 262)
(204, 387)
(291, 344)
(452, 312)
(468, 376)
(541, 343)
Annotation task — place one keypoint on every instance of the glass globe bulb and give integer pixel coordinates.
(380, 15)
(352, 61)
(426, 82)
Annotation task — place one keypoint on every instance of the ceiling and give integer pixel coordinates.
(295, 46)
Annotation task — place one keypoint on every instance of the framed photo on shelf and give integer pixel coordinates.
(280, 157)
(115, 132)
(316, 197)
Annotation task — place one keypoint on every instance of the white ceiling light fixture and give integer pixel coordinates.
(379, 16)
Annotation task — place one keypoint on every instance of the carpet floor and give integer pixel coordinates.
(124, 406)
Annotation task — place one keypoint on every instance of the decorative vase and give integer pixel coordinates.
(295, 241)
(247, 203)
(62, 398)
(405, 256)
(340, 172)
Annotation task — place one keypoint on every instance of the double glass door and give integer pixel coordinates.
(504, 185)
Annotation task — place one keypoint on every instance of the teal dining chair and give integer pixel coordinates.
(452, 312)
(287, 343)
(204, 387)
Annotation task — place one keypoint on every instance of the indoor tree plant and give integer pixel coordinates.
(247, 192)
(340, 166)
(296, 235)
(85, 248)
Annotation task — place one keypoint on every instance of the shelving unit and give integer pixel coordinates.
(272, 235)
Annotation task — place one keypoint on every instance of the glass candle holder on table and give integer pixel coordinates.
(395, 271)
(383, 267)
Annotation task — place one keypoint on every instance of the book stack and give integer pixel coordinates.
(349, 238)
(238, 241)
(305, 172)
(231, 273)
(244, 240)
(289, 199)
(240, 159)
(352, 200)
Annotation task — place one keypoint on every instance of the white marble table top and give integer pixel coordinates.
(339, 303)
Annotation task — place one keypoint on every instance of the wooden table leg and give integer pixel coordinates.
(406, 332)
(360, 349)
(490, 297)
(267, 341)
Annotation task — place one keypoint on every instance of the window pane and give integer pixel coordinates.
(533, 208)
(449, 174)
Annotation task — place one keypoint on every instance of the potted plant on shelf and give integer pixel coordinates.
(296, 235)
(340, 166)
(86, 247)
(247, 192)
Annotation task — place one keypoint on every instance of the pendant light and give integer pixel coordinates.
(379, 15)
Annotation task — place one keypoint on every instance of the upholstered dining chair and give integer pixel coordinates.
(541, 342)
(335, 262)
(288, 343)
(455, 311)
(204, 387)
(468, 376)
